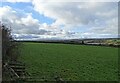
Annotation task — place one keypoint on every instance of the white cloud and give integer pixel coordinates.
(98, 18)
(20, 24)
(14, 1)
(100, 15)
(75, 13)
(25, 26)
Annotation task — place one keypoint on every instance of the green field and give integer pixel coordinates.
(70, 62)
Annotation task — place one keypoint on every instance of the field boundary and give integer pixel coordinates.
(72, 43)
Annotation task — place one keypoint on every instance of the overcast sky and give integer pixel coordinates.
(51, 19)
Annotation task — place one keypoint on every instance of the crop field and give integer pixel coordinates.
(70, 62)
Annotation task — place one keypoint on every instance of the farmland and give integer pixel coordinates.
(47, 61)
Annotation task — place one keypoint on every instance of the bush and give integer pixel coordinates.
(9, 46)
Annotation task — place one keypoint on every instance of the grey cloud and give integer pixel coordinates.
(98, 17)
(76, 13)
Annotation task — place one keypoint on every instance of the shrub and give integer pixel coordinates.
(9, 46)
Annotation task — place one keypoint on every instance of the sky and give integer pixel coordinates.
(60, 19)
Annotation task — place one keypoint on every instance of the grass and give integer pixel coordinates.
(70, 62)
